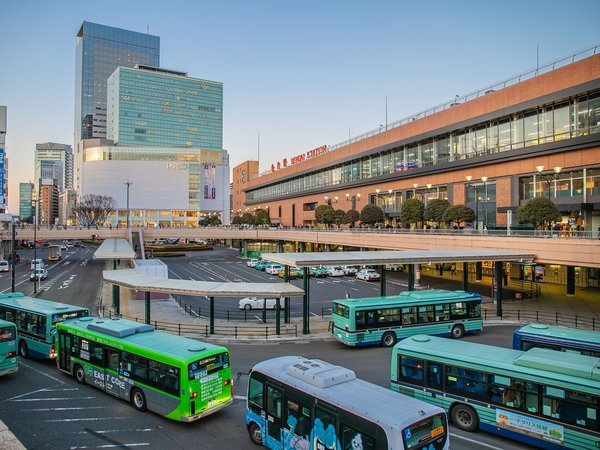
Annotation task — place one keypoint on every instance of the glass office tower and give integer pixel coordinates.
(25, 202)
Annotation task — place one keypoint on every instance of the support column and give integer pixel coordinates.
(498, 286)
(116, 299)
(327, 247)
(147, 299)
(277, 313)
(279, 246)
(245, 244)
(264, 311)
(478, 271)
(301, 247)
(286, 300)
(441, 269)
(411, 277)
(417, 275)
(465, 276)
(570, 281)
(382, 284)
(212, 315)
(305, 300)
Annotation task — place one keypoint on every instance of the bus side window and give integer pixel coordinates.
(434, 375)
(411, 370)
(353, 439)
(327, 420)
(255, 393)
(474, 310)
(442, 313)
(274, 399)
(112, 360)
(298, 419)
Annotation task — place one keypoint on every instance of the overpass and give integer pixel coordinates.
(567, 251)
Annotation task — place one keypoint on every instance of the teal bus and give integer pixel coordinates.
(36, 321)
(385, 320)
(584, 342)
(8, 348)
(541, 397)
(295, 402)
(179, 378)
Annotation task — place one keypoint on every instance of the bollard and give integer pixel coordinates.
(245, 315)
(179, 329)
(155, 325)
(235, 332)
(575, 320)
(205, 330)
(518, 315)
(537, 316)
(296, 329)
(227, 315)
(557, 317)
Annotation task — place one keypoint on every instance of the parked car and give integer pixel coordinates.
(394, 267)
(252, 263)
(273, 269)
(318, 272)
(250, 303)
(335, 271)
(261, 265)
(4, 266)
(39, 274)
(350, 270)
(367, 275)
(293, 274)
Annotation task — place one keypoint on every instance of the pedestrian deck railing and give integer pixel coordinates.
(551, 318)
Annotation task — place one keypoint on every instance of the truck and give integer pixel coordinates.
(54, 253)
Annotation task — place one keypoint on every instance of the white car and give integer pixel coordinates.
(350, 270)
(39, 274)
(367, 275)
(335, 271)
(274, 269)
(250, 303)
(4, 266)
(252, 263)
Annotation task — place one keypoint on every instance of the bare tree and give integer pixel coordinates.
(93, 209)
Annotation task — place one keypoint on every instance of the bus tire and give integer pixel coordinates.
(255, 434)
(23, 350)
(457, 332)
(79, 374)
(388, 339)
(138, 399)
(464, 418)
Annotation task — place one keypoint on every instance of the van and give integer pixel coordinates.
(37, 264)
(4, 266)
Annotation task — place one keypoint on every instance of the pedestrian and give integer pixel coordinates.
(453, 270)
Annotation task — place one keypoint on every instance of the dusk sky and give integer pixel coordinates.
(304, 73)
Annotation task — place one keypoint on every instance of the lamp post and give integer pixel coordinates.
(415, 185)
(330, 200)
(549, 177)
(476, 189)
(128, 184)
(34, 201)
(353, 199)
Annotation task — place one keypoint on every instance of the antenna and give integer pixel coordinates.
(258, 142)
(147, 29)
(386, 119)
(537, 59)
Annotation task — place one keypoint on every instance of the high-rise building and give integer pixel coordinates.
(25, 202)
(100, 50)
(48, 202)
(62, 153)
(3, 162)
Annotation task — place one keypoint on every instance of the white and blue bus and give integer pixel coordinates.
(385, 320)
(299, 403)
(584, 342)
(36, 321)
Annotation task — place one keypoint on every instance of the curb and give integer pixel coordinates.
(8, 441)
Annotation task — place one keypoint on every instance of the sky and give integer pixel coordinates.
(302, 74)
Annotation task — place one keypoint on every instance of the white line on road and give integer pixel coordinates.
(120, 445)
(457, 436)
(240, 397)
(50, 399)
(21, 363)
(316, 315)
(74, 408)
(124, 430)
(87, 419)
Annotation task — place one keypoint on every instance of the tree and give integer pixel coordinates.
(237, 220)
(247, 219)
(458, 214)
(93, 209)
(371, 214)
(351, 217)
(412, 211)
(209, 221)
(325, 214)
(539, 212)
(339, 216)
(262, 217)
(435, 210)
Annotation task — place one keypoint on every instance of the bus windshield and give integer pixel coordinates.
(207, 366)
(7, 334)
(425, 431)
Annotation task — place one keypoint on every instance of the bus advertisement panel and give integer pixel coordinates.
(385, 320)
(8, 348)
(299, 403)
(541, 397)
(36, 321)
(564, 339)
(179, 378)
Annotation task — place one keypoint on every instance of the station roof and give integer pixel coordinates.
(115, 248)
(133, 279)
(395, 257)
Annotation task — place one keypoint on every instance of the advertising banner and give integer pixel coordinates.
(529, 425)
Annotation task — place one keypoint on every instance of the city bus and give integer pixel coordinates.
(541, 397)
(54, 253)
(585, 342)
(299, 403)
(385, 320)
(179, 378)
(8, 348)
(36, 321)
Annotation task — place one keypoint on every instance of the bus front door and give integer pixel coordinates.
(113, 383)
(64, 344)
(274, 416)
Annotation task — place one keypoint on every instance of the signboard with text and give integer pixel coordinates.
(301, 157)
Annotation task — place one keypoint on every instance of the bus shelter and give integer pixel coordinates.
(411, 258)
(133, 279)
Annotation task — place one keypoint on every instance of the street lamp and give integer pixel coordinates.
(128, 183)
(476, 189)
(353, 199)
(34, 201)
(549, 177)
(415, 189)
(330, 200)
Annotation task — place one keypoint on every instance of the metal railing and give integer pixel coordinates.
(550, 318)
(228, 315)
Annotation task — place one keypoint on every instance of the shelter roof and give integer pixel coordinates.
(115, 248)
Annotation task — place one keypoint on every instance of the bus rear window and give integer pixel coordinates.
(7, 334)
(430, 430)
(341, 310)
(207, 366)
(71, 315)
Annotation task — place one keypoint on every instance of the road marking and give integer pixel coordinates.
(74, 408)
(21, 363)
(120, 445)
(87, 419)
(475, 441)
(240, 397)
(130, 430)
(316, 315)
(50, 399)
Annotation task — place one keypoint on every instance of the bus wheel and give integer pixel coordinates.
(255, 434)
(458, 331)
(138, 400)
(388, 339)
(464, 418)
(79, 374)
(23, 351)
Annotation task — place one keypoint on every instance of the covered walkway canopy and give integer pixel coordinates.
(115, 248)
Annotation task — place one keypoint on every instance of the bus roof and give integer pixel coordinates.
(553, 331)
(141, 336)
(37, 304)
(539, 362)
(340, 387)
(425, 297)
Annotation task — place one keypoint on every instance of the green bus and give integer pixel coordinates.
(176, 377)
(385, 320)
(36, 321)
(8, 348)
(541, 397)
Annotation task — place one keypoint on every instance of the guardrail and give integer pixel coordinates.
(555, 318)
(228, 315)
